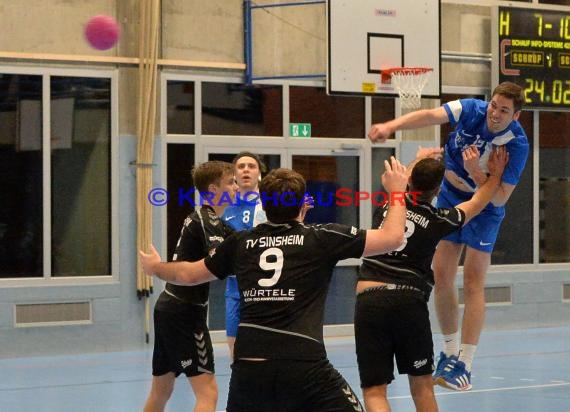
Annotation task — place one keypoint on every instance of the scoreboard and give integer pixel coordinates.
(534, 52)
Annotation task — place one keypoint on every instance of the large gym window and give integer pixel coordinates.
(21, 225)
(56, 166)
(333, 182)
(329, 116)
(239, 110)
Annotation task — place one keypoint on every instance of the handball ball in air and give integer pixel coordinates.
(102, 32)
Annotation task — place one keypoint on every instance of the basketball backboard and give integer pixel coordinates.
(365, 37)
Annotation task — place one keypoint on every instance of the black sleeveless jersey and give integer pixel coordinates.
(202, 232)
(283, 273)
(410, 264)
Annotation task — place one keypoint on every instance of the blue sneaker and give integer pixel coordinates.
(455, 377)
(442, 363)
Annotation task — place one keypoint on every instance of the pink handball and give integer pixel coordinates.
(102, 32)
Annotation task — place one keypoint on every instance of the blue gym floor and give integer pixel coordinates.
(514, 371)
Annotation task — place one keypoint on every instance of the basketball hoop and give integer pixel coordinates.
(409, 82)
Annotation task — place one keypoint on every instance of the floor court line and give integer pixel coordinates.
(509, 388)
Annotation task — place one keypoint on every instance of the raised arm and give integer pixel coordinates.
(391, 234)
(180, 273)
(496, 164)
(379, 132)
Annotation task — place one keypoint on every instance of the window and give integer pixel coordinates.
(554, 187)
(180, 161)
(329, 116)
(557, 2)
(333, 182)
(64, 181)
(180, 107)
(21, 225)
(239, 110)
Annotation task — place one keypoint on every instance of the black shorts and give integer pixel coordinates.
(388, 324)
(182, 342)
(289, 386)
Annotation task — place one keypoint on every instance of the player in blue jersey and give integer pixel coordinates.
(245, 214)
(479, 126)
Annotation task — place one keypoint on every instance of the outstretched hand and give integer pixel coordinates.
(394, 179)
(498, 161)
(149, 260)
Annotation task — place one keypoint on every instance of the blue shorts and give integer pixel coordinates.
(481, 231)
(232, 306)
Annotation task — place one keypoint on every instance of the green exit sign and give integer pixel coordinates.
(300, 129)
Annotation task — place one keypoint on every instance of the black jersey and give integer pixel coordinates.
(283, 273)
(202, 232)
(410, 264)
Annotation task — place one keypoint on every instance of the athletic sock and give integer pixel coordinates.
(451, 344)
(466, 354)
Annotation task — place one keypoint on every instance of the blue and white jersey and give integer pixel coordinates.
(243, 215)
(469, 117)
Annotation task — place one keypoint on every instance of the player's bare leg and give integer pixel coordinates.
(445, 263)
(375, 398)
(474, 272)
(160, 391)
(421, 388)
(206, 391)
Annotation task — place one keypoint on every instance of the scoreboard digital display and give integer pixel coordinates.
(534, 52)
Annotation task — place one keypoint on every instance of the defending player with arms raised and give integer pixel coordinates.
(391, 315)
(284, 268)
(182, 341)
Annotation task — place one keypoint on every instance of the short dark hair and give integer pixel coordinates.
(511, 91)
(282, 192)
(427, 175)
(257, 159)
(211, 172)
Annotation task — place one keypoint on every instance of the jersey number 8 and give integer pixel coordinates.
(410, 229)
